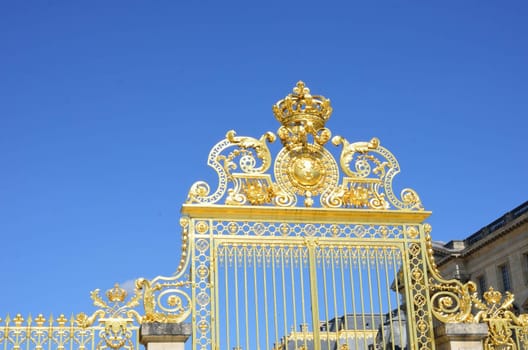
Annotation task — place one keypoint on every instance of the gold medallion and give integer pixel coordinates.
(306, 170)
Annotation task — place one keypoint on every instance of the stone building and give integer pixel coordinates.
(495, 256)
(346, 332)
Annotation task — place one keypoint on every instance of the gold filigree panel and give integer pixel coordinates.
(289, 230)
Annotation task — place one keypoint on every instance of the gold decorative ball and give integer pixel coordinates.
(307, 171)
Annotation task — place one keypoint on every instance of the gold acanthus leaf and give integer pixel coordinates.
(134, 301)
(97, 300)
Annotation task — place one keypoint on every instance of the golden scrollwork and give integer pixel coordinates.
(451, 300)
(115, 315)
(455, 302)
(247, 150)
(496, 311)
(303, 167)
(248, 162)
(369, 171)
(165, 299)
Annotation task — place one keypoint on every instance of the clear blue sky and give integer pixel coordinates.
(108, 110)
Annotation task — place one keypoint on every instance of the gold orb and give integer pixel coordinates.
(307, 171)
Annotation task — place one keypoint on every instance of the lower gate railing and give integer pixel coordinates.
(115, 325)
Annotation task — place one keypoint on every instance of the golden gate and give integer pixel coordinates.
(297, 250)
(317, 253)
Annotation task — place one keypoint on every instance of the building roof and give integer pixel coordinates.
(354, 322)
(489, 233)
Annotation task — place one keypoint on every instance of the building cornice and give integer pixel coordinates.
(486, 235)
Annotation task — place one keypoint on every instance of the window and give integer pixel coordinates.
(481, 281)
(504, 273)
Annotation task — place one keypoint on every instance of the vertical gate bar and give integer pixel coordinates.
(72, 334)
(265, 281)
(313, 294)
(294, 295)
(343, 292)
(408, 295)
(362, 296)
(274, 287)
(327, 329)
(246, 306)
(369, 277)
(193, 295)
(386, 253)
(215, 332)
(518, 336)
(192, 279)
(226, 286)
(428, 319)
(284, 308)
(303, 304)
(237, 313)
(353, 289)
(28, 335)
(398, 305)
(93, 341)
(255, 291)
(336, 312)
(380, 300)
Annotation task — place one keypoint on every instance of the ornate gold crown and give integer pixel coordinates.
(492, 296)
(303, 108)
(116, 294)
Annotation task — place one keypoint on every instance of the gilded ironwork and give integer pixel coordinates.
(113, 326)
(451, 300)
(164, 299)
(370, 169)
(455, 302)
(304, 167)
(298, 240)
(506, 330)
(116, 317)
(167, 299)
(302, 115)
(258, 263)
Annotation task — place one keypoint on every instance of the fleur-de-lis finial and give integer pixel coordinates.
(300, 89)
